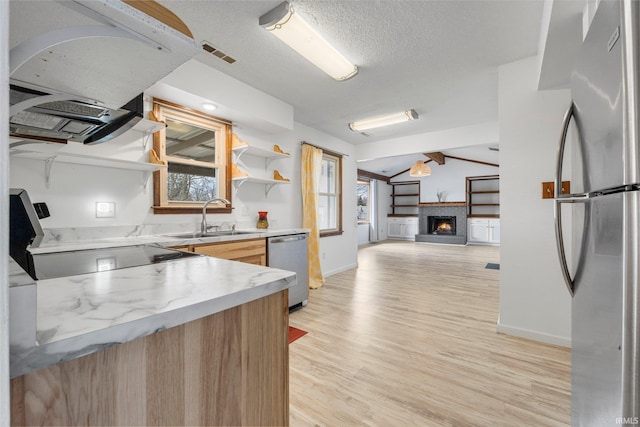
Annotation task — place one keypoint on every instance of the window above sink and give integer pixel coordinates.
(196, 149)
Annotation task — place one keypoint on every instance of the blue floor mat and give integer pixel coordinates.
(492, 266)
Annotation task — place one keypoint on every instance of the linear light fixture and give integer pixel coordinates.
(288, 26)
(420, 169)
(389, 119)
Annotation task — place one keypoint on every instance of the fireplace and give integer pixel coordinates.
(431, 216)
(441, 225)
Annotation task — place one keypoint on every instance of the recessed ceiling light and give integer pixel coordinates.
(208, 106)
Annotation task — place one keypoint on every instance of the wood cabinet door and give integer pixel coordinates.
(252, 251)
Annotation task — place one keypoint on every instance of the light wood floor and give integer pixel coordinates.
(409, 338)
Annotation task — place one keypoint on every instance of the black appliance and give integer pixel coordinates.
(25, 232)
(69, 120)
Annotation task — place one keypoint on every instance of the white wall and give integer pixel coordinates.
(534, 302)
(4, 209)
(450, 178)
(74, 189)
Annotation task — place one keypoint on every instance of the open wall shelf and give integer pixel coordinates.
(405, 197)
(483, 196)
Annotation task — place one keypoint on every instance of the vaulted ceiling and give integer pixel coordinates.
(390, 166)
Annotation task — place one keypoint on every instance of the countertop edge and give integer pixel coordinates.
(26, 359)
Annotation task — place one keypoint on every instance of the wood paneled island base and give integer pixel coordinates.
(230, 368)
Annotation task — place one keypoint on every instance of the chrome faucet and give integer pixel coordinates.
(203, 224)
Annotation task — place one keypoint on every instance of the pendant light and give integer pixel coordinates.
(420, 169)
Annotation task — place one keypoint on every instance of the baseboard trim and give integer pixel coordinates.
(340, 270)
(534, 335)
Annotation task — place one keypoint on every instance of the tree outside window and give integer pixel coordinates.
(193, 146)
(363, 189)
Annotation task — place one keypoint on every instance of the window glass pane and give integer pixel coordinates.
(187, 183)
(190, 142)
(327, 212)
(324, 183)
(328, 176)
(363, 201)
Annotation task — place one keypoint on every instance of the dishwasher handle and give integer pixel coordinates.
(286, 239)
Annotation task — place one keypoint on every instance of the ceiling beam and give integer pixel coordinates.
(473, 161)
(366, 174)
(436, 156)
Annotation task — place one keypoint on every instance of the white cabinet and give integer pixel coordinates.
(402, 228)
(483, 230)
(494, 231)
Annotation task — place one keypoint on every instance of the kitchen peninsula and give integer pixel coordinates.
(197, 341)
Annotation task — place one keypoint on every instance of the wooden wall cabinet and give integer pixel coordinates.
(229, 368)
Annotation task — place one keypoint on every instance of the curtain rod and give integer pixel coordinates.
(325, 149)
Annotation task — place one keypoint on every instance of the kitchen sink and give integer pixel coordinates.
(210, 234)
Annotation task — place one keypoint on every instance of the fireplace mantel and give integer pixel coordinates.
(443, 204)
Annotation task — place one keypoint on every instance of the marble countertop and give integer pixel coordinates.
(55, 320)
(56, 243)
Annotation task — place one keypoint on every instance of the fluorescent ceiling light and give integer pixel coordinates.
(289, 27)
(420, 169)
(390, 119)
(208, 106)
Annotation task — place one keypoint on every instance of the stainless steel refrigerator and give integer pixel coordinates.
(604, 274)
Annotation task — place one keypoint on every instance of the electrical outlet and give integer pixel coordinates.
(105, 209)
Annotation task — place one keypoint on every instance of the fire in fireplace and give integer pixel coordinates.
(441, 225)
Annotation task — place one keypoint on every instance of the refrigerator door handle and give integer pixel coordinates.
(560, 159)
(559, 199)
(557, 215)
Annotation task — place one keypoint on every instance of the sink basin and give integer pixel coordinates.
(210, 234)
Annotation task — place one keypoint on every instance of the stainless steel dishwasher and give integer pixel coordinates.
(290, 253)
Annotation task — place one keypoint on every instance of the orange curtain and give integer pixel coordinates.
(311, 169)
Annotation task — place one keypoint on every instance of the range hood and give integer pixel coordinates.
(103, 53)
(70, 119)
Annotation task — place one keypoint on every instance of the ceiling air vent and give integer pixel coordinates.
(215, 52)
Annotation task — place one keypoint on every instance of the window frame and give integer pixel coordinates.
(368, 184)
(163, 110)
(329, 155)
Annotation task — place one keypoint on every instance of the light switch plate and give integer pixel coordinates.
(105, 209)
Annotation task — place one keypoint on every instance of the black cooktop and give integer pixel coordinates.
(71, 263)
(26, 233)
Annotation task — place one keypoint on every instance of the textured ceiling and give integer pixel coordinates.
(437, 57)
